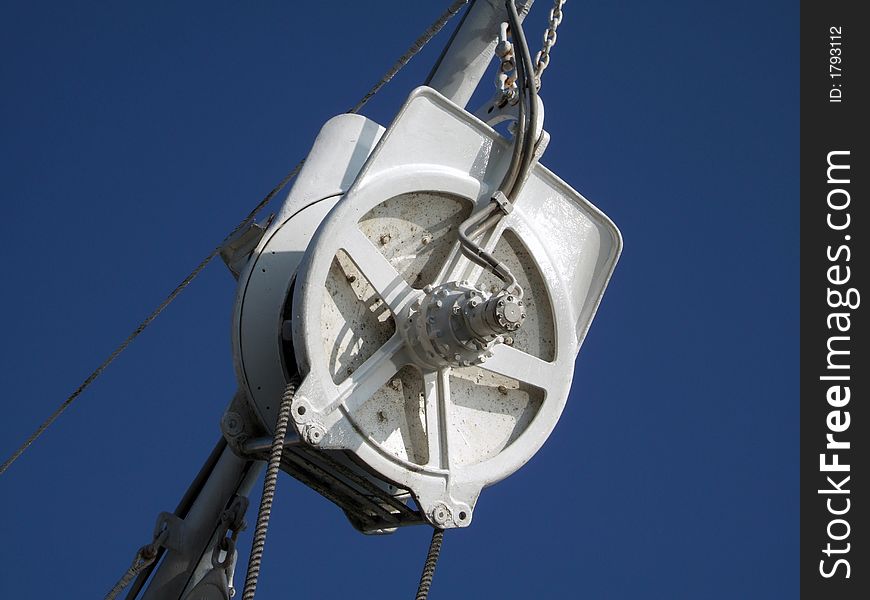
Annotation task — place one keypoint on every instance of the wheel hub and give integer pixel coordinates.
(456, 325)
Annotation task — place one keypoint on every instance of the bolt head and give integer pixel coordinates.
(313, 433)
(441, 514)
(233, 423)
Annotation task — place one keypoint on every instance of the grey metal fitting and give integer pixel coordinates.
(313, 433)
(460, 323)
(441, 515)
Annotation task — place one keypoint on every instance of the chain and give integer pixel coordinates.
(506, 77)
(542, 58)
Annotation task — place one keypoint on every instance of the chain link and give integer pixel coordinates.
(542, 59)
(505, 79)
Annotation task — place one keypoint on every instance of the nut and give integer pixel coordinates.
(313, 433)
(232, 423)
(441, 515)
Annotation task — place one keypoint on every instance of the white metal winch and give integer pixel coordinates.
(405, 327)
(418, 375)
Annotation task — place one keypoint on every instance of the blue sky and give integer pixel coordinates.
(135, 135)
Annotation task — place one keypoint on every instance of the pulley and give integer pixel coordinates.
(422, 377)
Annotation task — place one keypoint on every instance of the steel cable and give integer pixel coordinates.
(139, 563)
(430, 564)
(145, 323)
(418, 44)
(270, 482)
(145, 556)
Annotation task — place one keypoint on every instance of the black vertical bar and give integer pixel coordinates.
(834, 557)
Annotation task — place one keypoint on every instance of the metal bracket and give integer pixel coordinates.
(503, 203)
(174, 527)
(234, 514)
(236, 251)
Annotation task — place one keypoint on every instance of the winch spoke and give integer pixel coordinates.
(368, 378)
(387, 282)
(436, 385)
(523, 367)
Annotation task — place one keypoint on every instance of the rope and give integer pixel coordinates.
(145, 556)
(429, 566)
(418, 44)
(269, 484)
(403, 60)
(145, 323)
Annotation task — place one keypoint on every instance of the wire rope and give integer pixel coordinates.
(418, 44)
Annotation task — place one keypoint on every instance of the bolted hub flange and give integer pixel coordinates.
(455, 324)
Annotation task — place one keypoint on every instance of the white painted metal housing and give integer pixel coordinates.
(444, 432)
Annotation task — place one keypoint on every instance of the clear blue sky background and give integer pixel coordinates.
(135, 135)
